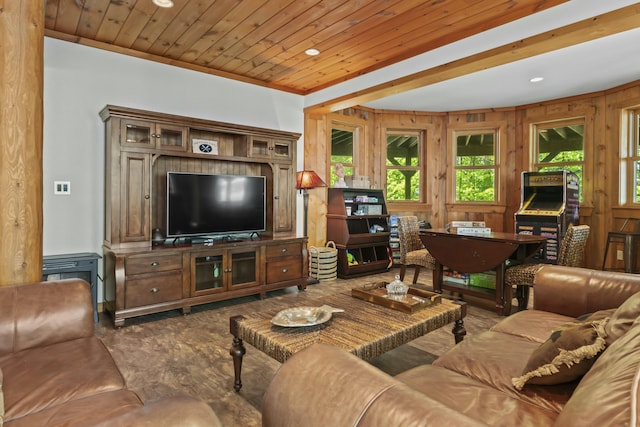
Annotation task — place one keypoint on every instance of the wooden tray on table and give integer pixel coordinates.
(415, 300)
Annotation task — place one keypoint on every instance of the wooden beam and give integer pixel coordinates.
(614, 22)
(21, 123)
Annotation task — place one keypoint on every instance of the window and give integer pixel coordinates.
(560, 145)
(630, 158)
(476, 165)
(403, 165)
(342, 142)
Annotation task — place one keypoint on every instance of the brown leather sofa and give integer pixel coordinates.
(472, 384)
(55, 372)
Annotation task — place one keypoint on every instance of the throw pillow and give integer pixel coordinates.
(622, 319)
(566, 355)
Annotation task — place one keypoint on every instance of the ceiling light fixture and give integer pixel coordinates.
(536, 79)
(312, 52)
(163, 3)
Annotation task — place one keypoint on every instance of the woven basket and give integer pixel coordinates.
(323, 263)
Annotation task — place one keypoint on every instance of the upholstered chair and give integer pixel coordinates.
(412, 252)
(570, 254)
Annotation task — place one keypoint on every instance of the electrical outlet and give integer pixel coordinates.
(620, 255)
(62, 188)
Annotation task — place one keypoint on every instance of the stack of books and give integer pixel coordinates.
(468, 227)
(394, 239)
(456, 277)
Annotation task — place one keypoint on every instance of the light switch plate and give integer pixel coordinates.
(62, 187)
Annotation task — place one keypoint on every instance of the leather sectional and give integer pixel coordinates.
(473, 383)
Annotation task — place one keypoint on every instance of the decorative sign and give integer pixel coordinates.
(204, 146)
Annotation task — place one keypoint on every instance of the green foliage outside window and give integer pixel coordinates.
(341, 152)
(475, 167)
(403, 185)
(473, 185)
(561, 148)
(403, 166)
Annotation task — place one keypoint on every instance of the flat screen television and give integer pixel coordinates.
(208, 205)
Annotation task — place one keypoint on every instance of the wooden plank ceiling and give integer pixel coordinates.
(264, 41)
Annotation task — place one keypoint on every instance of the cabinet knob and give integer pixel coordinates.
(146, 196)
(155, 264)
(227, 270)
(284, 250)
(154, 290)
(284, 270)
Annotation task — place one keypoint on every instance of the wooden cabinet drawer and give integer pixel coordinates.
(152, 263)
(279, 270)
(285, 249)
(147, 289)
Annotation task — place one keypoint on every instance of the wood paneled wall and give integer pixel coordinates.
(600, 208)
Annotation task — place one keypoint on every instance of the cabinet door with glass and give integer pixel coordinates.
(146, 134)
(207, 273)
(243, 268)
(224, 270)
(271, 148)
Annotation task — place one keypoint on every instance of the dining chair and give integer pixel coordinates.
(412, 251)
(570, 254)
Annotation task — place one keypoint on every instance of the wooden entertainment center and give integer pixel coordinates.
(145, 274)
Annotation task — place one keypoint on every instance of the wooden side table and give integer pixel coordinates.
(470, 253)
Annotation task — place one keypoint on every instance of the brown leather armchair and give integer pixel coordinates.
(54, 370)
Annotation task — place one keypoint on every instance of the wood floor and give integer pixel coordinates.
(170, 354)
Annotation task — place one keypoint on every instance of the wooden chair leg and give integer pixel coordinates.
(403, 270)
(416, 273)
(522, 294)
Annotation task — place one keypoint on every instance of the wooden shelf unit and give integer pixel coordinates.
(358, 223)
(140, 148)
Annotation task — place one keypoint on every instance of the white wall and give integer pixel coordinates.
(79, 81)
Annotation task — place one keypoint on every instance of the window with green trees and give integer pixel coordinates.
(560, 145)
(342, 143)
(630, 157)
(403, 165)
(475, 165)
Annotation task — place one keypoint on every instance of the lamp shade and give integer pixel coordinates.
(308, 179)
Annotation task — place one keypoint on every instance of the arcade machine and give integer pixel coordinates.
(549, 204)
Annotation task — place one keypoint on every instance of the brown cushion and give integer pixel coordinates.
(622, 319)
(566, 355)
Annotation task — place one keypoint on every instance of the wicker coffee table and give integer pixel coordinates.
(364, 329)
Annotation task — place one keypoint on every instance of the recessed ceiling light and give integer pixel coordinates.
(312, 52)
(163, 3)
(536, 79)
